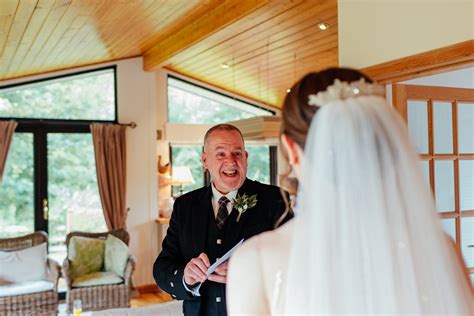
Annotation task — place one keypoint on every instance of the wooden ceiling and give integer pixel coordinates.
(267, 44)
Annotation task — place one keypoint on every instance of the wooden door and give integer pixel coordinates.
(441, 123)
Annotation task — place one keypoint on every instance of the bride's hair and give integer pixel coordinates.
(297, 113)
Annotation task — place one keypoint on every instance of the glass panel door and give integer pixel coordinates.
(74, 202)
(442, 128)
(17, 188)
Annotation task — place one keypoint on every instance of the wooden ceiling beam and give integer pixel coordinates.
(440, 60)
(205, 26)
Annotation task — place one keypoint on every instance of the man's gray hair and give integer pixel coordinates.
(221, 127)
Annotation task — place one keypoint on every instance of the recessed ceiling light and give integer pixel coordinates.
(225, 66)
(323, 26)
(288, 90)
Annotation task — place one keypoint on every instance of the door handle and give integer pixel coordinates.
(45, 209)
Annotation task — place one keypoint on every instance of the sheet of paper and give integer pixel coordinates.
(223, 259)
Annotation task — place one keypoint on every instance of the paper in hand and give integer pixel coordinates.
(223, 259)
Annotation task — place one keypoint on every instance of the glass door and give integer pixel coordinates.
(73, 195)
(17, 189)
(441, 123)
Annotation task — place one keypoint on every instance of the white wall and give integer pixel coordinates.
(376, 31)
(136, 102)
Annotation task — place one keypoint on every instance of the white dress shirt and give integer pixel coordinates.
(216, 195)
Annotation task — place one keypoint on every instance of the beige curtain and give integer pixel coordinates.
(110, 160)
(7, 128)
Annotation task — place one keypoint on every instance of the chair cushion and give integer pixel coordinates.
(25, 288)
(86, 255)
(24, 265)
(97, 278)
(116, 255)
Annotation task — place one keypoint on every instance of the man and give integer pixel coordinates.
(204, 224)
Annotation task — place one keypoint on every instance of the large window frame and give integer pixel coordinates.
(40, 128)
(197, 141)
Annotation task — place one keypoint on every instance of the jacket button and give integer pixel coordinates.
(172, 284)
(218, 299)
(175, 272)
(219, 241)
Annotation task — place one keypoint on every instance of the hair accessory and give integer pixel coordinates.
(340, 90)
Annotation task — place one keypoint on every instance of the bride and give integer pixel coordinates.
(366, 238)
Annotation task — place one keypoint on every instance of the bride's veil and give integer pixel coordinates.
(367, 238)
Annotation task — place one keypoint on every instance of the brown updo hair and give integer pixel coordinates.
(296, 113)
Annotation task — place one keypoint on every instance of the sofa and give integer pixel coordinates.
(28, 278)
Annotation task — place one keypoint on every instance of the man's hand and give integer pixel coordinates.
(220, 274)
(195, 270)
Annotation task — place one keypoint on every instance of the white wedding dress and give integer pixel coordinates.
(366, 238)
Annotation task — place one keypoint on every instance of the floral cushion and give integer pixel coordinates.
(86, 255)
(116, 255)
(97, 278)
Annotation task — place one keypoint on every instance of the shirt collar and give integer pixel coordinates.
(217, 195)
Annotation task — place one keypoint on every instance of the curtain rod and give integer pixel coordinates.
(131, 124)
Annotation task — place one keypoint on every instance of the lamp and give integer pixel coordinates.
(181, 175)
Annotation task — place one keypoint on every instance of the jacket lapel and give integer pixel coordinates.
(234, 228)
(200, 220)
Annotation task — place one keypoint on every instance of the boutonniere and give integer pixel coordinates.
(243, 202)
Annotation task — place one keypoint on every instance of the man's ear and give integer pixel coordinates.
(204, 160)
(292, 149)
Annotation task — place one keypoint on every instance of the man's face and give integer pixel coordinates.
(226, 159)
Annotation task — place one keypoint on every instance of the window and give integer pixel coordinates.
(17, 189)
(188, 156)
(191, 104)
(86, 96)
(50, 179)
(259, 164)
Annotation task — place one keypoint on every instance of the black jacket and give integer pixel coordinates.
(190, 233)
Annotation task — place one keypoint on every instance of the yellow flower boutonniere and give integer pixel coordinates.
(243, 202)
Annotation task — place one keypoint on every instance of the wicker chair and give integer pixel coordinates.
(101, 296)
(40, 303)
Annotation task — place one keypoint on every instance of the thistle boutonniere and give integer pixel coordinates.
(243, 202)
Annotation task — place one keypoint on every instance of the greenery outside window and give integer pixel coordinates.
(84, 96)
(191, 104)
(259, 164)
(51, 163)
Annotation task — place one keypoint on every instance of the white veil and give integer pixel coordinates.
(367, 239)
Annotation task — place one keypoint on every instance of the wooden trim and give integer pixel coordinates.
(399, 100)
(435, 61)
(163, 220)
(440, 93)
(445, 215)
(148, 288)
(469, 213)
(457, 203)
(427, 157)
(466, 156)
(223, 15)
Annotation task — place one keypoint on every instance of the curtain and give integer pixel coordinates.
(110, 160)
(7, 129)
